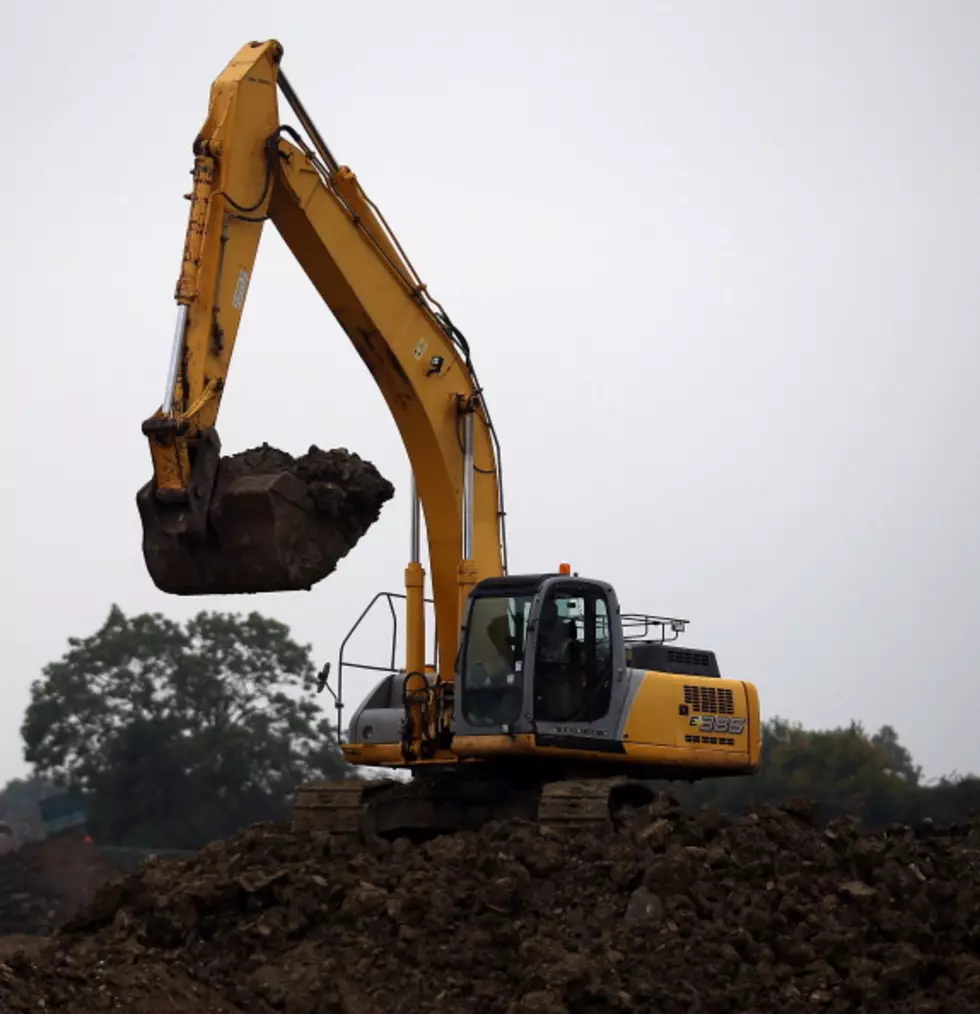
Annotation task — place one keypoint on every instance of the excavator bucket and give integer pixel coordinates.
(272, 522)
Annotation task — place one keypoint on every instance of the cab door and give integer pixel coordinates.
(578, 682)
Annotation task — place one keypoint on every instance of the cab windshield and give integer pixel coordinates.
(493, 662)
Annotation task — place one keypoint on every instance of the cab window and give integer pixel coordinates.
(493, 660)
(573, 661)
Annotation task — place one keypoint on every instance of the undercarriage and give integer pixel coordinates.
(434, 804)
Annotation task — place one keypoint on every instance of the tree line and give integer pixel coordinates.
(846, 771)
(174, 735)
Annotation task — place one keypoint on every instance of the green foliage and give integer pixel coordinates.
(844, 770)
(178, 735)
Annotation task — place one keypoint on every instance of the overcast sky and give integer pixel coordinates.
(717, 263)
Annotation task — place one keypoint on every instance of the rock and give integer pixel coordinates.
(658, 832)
(541, 1001)
(856, 889)
(644, 906)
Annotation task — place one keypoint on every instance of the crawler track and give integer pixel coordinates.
(433, 805)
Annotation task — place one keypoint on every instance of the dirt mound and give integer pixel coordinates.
(671, 913)
(43, 883)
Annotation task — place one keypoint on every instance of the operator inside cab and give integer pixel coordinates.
(573, 666)
(560, 673)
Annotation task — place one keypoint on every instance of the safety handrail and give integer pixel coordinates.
(323, 682)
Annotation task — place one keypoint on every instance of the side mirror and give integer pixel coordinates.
(321, 680)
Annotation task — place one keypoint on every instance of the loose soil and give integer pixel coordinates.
(292, 519)
(275, 523)
(671, 914)
(45, 882)
(342, 486)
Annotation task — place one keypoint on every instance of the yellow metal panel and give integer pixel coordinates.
(489, 746)
(653, 715)
(755, 725)
(634, 754)
(696, 716)
(687, 757)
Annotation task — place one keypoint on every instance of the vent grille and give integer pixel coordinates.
(683, 657)
(711, 740)
(710, 700)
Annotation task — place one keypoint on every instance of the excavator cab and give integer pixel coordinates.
(540, 656)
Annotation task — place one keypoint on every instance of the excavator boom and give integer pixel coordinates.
(207, 527)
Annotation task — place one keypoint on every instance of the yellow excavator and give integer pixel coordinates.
(544, 700)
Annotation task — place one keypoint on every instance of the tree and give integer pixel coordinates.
(899, 759)
(177, 735)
